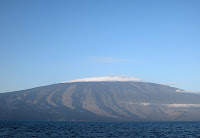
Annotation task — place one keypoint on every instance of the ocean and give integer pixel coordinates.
(98, 129)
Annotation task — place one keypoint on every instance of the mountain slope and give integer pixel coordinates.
(100, 101)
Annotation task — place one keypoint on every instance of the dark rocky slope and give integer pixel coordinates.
(100, 101)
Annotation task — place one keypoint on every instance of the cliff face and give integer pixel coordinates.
(100, 101)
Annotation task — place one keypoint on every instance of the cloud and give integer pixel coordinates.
(169, 105)
(179, 90)
(183, 105)
(110, 59)
(107, 78)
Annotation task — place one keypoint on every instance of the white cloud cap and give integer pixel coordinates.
(107, 78)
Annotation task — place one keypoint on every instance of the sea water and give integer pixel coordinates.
(98, 129)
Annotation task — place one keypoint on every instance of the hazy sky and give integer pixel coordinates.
(44, 42)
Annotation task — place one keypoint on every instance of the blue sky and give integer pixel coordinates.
(46, 42)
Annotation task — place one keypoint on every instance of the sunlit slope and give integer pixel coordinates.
(100, 101)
